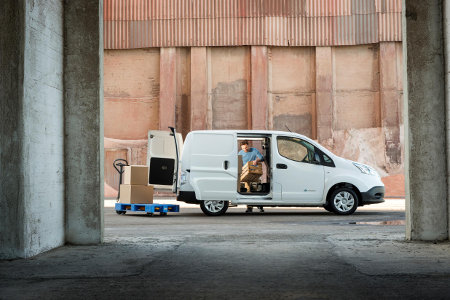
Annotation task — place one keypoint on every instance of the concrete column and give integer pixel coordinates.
(31, 128)
(447, 98)
(425, 129)
(167, 88)
(259, 84)
(324, 93)
(389, 102)
(11, 131)
(83, 83)
(199, 88)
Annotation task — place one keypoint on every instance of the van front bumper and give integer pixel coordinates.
(188, 197)
(374, 195)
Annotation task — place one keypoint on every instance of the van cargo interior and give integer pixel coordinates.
(258, 184)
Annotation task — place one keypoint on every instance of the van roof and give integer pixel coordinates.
(246, 131)
(286, 133)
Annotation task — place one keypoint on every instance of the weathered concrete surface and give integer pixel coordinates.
(43, 121)
(11, 129)
(32, 187)
(259, 99)
(168, 84)
(292, 89)
(199, 88)
(83, 69)
(425, 131)
(183, 82)
(230, 77)
(324, 94)
(132, 84)
(283, 253)
(356, 87)
(394, 185)
(390, 101)
(446, 20)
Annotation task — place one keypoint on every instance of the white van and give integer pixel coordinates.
(297, 172)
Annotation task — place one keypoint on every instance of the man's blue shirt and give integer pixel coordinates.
(251, 155)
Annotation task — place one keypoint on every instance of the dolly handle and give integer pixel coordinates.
(120, 162)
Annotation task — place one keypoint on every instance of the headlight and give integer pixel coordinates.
(365, 169)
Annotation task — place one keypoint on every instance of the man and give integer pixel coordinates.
(250, 154)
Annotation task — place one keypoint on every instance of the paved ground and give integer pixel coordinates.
(280, 254)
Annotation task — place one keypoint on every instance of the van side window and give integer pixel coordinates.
(295, 149)
(328, 162)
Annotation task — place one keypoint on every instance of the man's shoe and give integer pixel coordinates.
(249, 209)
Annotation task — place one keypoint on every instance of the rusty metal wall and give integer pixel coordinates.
(175, 23)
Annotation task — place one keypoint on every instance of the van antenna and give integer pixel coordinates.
(287, 128)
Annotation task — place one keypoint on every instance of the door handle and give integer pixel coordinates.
(225, 165)
(281, 166)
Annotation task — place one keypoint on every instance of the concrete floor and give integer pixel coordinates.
(282, 253)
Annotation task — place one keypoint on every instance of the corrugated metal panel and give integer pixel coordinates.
(171, 23)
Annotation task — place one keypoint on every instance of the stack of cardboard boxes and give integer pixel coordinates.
(135, 187)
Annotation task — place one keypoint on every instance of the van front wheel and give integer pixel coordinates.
(214, 207)
(343, 201)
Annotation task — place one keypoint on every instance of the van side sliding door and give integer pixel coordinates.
(213, 170)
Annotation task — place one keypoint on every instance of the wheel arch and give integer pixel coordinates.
(347, 185)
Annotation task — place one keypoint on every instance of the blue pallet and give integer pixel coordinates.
(148, 208)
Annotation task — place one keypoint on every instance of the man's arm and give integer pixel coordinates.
(259, 157)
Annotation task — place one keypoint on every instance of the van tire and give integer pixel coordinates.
(328, 208)
(340, 199)
(214, 207)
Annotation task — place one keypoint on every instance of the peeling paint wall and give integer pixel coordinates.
(348, 98)
(229, 93)
(131, 92)
(292, 89)
(356, 87)
(183, 94)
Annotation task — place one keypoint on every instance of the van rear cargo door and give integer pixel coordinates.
(162, 158)
(213, 172)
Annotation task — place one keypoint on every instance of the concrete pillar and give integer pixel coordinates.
(83, 83)
(199, 88)
(31, 128)
(389, 102)
(167, 88)
(11, 133)
(259, 84)
(425, 129)
(324, 93)
(446, 20)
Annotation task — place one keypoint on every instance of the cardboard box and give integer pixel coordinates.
(142, 194)
(252, 169)
(135, 175)
(251, 173)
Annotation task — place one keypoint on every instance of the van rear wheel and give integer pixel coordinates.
(214, 207)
